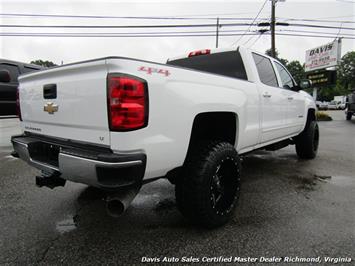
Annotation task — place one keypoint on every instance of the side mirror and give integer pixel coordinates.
(5, 76)
(305, 84)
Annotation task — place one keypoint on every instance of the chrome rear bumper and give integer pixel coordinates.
(99, 168)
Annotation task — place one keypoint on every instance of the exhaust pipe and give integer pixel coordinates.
(117, 202)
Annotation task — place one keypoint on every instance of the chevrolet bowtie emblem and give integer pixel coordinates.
(50, 108)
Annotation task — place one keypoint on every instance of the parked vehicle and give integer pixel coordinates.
(322, 105)
(341, 102)
(350, 105)
(117, 123)
(333, 105)
(9, 72)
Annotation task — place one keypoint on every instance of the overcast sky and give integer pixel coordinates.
(69, 49)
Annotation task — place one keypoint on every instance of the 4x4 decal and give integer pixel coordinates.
(151, 70)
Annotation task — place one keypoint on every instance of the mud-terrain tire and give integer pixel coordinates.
(307, 141)
(208, 189)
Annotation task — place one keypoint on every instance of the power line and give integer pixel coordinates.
(161, 35)
(122, 26)
(347, 16)
(261, 32)
(187, 17)
(261, 9)
(265, 24)
(339, 31)
(172, 26)
(112, 35)
(182, 17)
(320, 26)
(130, 33)
(176, 32)
(119, 17)
(316, 20)
(315, 36)
(318, 32)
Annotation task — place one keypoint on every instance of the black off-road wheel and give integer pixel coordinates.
(208, 190)
(348, 115)
(308, 141)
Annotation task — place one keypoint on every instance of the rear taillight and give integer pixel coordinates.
(127, 100)
(18, 108)
(200, 52)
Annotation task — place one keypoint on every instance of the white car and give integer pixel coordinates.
(117, 123)
(322, 105)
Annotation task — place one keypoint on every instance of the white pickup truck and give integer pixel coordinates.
(117, 123)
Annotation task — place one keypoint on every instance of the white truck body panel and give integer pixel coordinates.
(182, 95)
(81, 99)
(174, 101)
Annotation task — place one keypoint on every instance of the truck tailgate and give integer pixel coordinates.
(69, 102)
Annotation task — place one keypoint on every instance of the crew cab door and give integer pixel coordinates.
(273, 101)
(295, 101)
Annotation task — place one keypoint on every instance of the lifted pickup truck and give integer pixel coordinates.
(116, 123)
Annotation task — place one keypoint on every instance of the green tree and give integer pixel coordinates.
(346, 71)
(296, 70)
(40, 62)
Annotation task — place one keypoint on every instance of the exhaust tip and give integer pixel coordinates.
(115, 208)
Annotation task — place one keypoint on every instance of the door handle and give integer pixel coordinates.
(266, 95)
(290, 98)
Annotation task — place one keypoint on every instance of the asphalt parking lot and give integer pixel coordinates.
(287, 207)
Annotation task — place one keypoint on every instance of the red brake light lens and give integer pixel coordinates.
(200, 52)
(18, 108)
(127, 102)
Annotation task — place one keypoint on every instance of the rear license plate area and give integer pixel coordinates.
(44, 152)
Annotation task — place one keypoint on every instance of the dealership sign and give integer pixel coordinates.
(324, 56)
(324, 77)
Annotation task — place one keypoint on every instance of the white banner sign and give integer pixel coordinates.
(324, 56)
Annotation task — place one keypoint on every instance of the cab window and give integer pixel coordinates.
(265, 70)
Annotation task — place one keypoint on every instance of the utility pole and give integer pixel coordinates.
(217, 32)
(272, 26)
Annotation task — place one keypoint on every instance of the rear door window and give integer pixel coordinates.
(265, 70)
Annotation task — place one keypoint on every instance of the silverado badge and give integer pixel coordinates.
(50, 108)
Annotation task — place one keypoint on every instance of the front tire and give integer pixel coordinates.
(308, 141)
(209, 188)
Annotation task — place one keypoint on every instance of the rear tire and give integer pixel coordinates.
(308, 141)
(208, 190)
